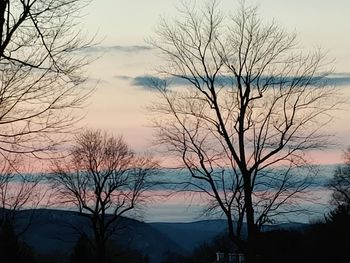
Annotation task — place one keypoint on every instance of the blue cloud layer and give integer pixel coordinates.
(146, 81)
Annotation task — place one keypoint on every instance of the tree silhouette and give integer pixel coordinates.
(40, 85)
(253, 101)
(340, 184)
(40, 73)
(105, 180)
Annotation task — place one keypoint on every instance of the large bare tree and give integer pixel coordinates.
(40, 72)
(104, 179)
(254, 106)
(40, 86)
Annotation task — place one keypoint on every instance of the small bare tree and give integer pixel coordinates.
(104, 179)
(254, 102)
(40, 73)
(19, 190)
(340, 184)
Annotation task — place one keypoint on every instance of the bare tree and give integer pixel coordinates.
(40, 78)
(340, 184)
(104, 179)
(254, 102)
(19, 190)
(40, 72)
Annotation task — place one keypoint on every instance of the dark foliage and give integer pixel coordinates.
(129, 256)
(205, 253)
(12, 249)
(340, 215)
(321, 242)
(172, 257)
(280, 245)
(52, 258)
(84, 252)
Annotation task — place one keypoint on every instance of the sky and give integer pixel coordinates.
(121, 28)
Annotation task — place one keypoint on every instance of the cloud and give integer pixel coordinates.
(123, 77)
(147, 81)
(117, 48)
(339, 79)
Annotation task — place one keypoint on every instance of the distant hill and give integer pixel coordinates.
(56, 231)
(190, 235)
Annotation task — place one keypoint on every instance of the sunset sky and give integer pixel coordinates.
(118, 104)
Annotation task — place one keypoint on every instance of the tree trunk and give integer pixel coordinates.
(231, 233)
(100, 244)
(3, 5)
(251, 227)
(100, 250)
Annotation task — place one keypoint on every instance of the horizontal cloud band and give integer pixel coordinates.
(147, 81)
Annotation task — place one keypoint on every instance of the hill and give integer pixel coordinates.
(56, 231)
